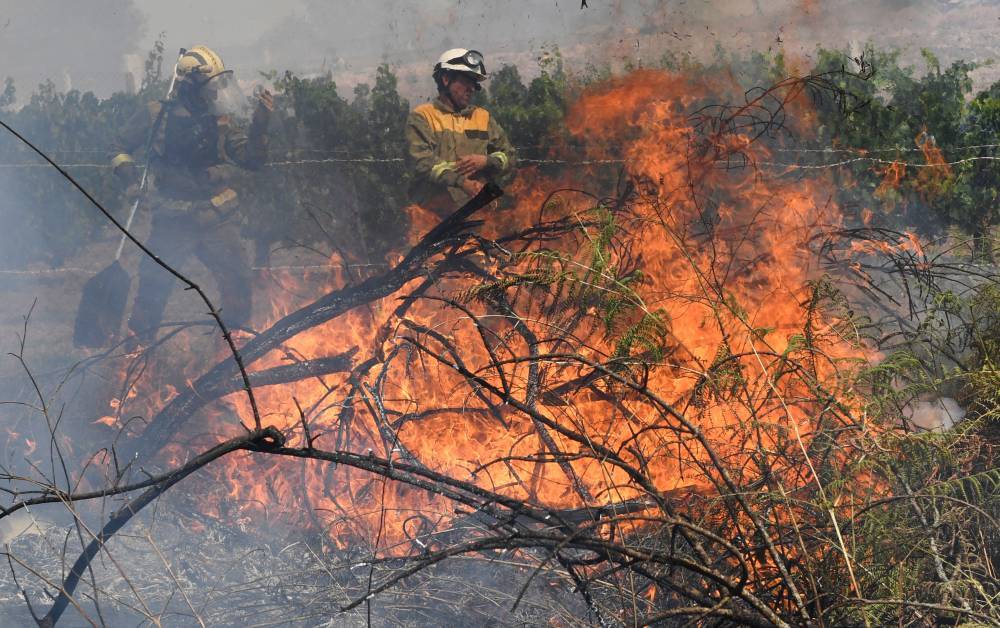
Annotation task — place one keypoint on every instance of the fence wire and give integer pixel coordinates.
(862, 156)
(787, 166)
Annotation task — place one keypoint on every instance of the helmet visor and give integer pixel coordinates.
(224, 96)
(473, 60)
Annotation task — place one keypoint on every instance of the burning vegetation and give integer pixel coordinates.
(667, 392)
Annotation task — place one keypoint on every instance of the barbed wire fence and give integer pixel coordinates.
(860, 156)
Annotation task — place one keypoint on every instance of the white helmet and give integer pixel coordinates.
(462, 60)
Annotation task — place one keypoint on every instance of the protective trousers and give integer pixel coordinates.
(178, 230)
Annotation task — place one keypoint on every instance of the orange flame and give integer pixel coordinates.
(110, 421)
(932, 179)
(731, 276)
(892, 176)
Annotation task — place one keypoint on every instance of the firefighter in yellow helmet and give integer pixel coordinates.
(455, 147)
(194, 147)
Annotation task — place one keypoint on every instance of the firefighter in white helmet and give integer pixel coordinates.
(194, 148)
(454, 146)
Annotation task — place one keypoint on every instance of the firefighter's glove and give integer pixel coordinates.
(222, 173)
(262, 112)
(132, 192)
(128, 174)
(265, 100)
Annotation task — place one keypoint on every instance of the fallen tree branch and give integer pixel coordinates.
(287, 373)
(258, 440)
(174, 414)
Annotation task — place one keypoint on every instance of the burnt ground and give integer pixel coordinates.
(224, 576)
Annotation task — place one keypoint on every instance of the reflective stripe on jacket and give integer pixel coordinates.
(192, 153)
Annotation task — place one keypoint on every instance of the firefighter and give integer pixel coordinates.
(455, 147)
(194, 149)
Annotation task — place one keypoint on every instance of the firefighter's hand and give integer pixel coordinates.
(265, 100)
(132, 192)
(128, 174)
(221, 173)
(471, 186)
(471, 164)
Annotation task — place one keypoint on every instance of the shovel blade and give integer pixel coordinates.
(102, 307)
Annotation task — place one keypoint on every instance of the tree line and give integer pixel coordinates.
(908, 113)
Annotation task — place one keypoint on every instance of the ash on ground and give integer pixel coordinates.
(173, 568)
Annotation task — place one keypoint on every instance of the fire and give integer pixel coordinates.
(892, 176)
(110, 421)
(722, 286)
(937, 173)
(931, 177)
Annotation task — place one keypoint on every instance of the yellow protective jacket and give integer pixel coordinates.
(436, 137)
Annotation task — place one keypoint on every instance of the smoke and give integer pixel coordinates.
(351, 37)
(89, 46)
(78, 45)
(952, 29)
(939, 414)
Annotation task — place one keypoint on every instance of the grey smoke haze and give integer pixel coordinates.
(78, 44)
(90, 45)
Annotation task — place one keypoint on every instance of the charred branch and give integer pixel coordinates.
(189, 401)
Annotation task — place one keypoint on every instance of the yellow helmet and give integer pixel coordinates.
(199, 64)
